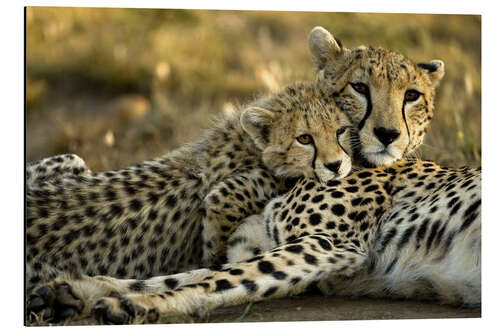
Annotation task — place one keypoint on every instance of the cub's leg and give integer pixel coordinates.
(228, 203)
(52, 167)
(286, 270)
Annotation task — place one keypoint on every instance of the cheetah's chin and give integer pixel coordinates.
(384, 157)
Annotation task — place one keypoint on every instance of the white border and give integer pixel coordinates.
(12, 136)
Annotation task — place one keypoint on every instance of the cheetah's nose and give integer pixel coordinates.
(386, 135)
(333, 166)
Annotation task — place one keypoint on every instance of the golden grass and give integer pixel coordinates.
(118, 86)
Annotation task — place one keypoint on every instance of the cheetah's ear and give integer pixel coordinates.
(435, 69)
(323, 46)
(257, 123)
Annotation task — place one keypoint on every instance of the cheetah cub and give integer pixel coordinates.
(147, 220)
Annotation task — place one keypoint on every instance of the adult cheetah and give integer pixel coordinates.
(411, 230)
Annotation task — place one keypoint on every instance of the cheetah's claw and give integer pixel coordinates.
(118, 309)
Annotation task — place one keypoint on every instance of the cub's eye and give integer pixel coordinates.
(412, 95)
(341, 130)
(360, 87)
(305, 139)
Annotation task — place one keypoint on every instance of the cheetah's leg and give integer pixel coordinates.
(286, 270)
(228, 203)
(67, 297)
(52, 167)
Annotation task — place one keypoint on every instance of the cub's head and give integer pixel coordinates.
(299, 135)
(388, 99)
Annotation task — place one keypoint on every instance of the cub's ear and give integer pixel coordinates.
(257, 123)
(323, 47)
(435, 70)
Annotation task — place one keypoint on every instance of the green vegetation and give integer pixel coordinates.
(118, 86)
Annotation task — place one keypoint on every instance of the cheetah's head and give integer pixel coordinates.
(389, 99)
(301, 137)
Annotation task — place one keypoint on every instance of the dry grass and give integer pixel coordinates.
(118, 86)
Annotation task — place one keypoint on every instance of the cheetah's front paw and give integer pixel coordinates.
(54, 302)
(118, 309)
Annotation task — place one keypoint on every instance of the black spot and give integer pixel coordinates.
(333, 183)
(310, 259)
(324, 244)
(279, 275)
(270, 291)
(356, 201)
(139, 286)
(371, 188)
(364, 226)
(343, 227)
(300, 209)
(406, 236)
(266, 267)
(379, 211)
(366, 201)
(364, 174)
(135, 205)
(470, 215)
(309, 186)
(294, 281)
(90, 212)
(338, 209)
(472, 208)
(336, 194)
(317, 198)
(297, 248)
(171, 283)
(315, 219)
(221, 285)
(250, 286)
(414, 217)
(284, 215)
(432, 235)
(352, 189)
(236, 271)
(456, 207)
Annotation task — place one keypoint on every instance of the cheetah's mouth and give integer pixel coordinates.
(384, 156)
(373, 155)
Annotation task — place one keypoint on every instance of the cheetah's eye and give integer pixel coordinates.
(360, 87)
(341, 130)
(305, 139)
(412, 95)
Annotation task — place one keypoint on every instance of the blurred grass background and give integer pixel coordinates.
(119, 86)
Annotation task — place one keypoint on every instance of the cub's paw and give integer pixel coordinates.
(117, 309)
(53, 302)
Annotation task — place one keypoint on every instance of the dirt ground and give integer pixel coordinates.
(324, 308)
(307, 308)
